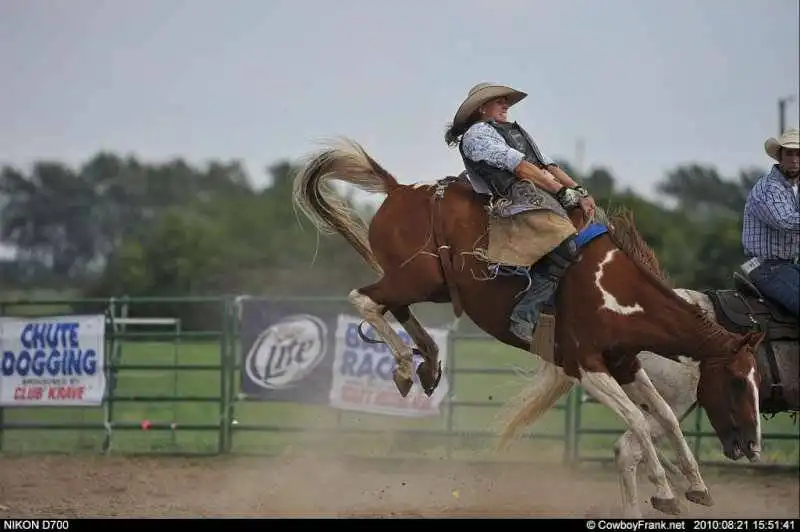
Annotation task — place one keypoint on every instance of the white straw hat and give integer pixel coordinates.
(479, 95)
(790, 139)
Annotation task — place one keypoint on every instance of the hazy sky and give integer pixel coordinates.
(647, 83)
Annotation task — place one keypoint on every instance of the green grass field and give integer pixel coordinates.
(388, 440)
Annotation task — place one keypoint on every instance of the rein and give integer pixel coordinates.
(443, 249)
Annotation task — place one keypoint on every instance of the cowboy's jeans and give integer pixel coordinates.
(779, 281)
(525, 315)
(545, 277)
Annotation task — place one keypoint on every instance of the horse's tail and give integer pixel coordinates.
(547, 386)
(327, 210)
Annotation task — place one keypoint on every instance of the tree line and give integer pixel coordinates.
(117, 225)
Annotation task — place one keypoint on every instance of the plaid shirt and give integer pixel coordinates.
(771, 228)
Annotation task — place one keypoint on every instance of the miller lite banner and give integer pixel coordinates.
(297, 355)
(287, 352)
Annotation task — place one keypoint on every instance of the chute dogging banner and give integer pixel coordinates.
(52, 361)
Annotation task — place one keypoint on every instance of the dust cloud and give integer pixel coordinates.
(306, 484)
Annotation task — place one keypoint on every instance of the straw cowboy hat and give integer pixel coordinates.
(790, 139)
(479, 95)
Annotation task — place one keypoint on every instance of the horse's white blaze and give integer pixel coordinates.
(751, 379)
(609, 300)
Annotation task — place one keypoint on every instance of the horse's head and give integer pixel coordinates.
(728, 392)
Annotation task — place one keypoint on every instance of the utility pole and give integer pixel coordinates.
(580, 152)
(782, 102)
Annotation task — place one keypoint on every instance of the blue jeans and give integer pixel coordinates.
(779, 282)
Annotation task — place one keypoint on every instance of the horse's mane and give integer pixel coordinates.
(623, 231)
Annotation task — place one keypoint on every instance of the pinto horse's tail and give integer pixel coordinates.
(327, 210)
(547, 386)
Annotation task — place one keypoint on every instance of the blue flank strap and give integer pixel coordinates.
(589, 233)
(586, 235)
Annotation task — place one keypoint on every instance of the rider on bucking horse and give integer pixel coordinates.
(502, 160)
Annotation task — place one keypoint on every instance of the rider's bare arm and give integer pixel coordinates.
(539, 177)
(561, 176)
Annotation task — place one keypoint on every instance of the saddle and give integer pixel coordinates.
(744, 308)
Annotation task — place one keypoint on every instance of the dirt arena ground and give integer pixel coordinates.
(61, 486)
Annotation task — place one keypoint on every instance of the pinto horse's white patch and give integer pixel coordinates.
(609, 300)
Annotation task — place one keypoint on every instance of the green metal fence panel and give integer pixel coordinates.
(174, 370)
(159, 395)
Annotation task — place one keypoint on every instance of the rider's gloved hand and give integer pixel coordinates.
(569, 198)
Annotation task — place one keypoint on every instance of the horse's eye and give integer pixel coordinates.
(739, 385)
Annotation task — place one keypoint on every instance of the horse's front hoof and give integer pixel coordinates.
(403, 384)
(700, 497)
(426, 378)
(667, 506)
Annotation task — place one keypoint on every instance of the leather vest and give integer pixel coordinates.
(499, 180)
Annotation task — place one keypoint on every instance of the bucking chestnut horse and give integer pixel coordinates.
(610, 305)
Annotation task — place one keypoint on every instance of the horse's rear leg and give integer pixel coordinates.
(372, 302)
(429, 371)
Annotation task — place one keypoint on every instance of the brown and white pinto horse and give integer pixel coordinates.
(609, 306)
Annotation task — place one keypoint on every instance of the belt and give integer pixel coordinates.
(795, 260)
(754, 263)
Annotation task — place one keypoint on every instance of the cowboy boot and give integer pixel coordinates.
(545, 277)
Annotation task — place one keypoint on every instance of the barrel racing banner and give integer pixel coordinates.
(52, 361)
(287, 351)
(362, 373)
